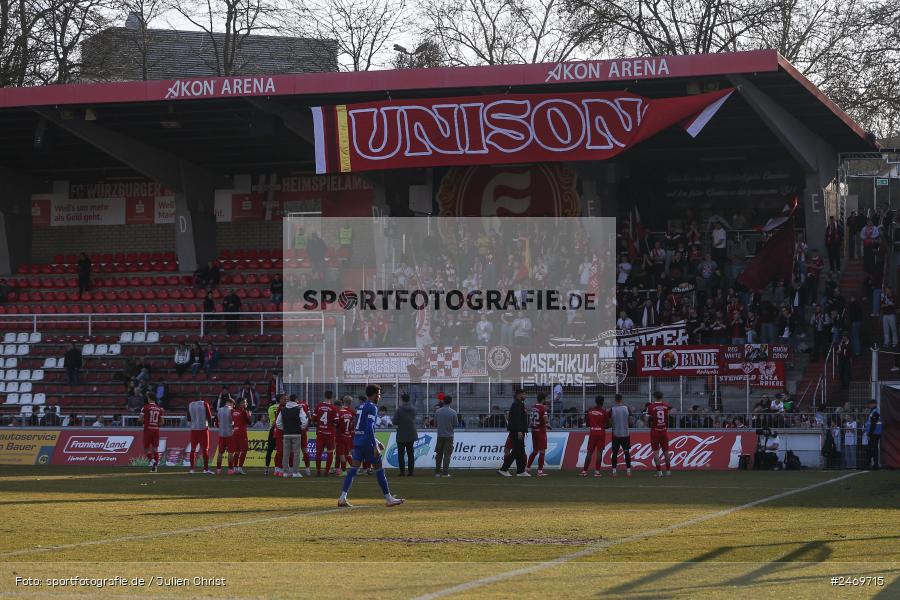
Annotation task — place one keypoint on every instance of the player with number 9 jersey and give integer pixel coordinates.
(597, 419)
(152, 417)
(658, 416)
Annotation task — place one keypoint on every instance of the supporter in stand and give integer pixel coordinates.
(209, 306)
(182, 358)
(231, 307)
(72, 363)
(210, 359)
(4, 291)
(197, 354)
(276, 289)
(84, 273)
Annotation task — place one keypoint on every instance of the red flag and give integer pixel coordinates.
(774, 261)
(786, 213)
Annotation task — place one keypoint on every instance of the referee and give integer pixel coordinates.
(517, 425)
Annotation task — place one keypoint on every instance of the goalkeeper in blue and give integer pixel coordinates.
(366, 448)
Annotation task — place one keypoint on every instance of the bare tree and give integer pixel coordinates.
(363, 29)
(141, 37)
(228, 24)
(19, 55)
(506, 31)
(62, 27)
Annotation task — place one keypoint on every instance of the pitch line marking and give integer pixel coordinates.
(475, 583)
(162, 534)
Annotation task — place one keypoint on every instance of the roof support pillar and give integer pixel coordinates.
(817, 158)
(15, 221)
(194, 186)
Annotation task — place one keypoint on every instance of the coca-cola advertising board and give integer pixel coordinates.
(688, 450)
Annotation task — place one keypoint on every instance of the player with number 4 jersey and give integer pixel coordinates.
(539, 422)
(658, 416)
(326, 423)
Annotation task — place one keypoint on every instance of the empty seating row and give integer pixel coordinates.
(118, 257)
(22, 338)
(26, 399)
(140, 267)
(9, 387)
(101, 350)
(14, 349)
(22, 375)
(139, 337)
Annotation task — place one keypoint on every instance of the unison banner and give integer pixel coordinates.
(499, 129)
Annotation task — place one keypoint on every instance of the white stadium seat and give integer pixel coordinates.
(22, 338)
(22, 350)
(12, 386)
(101, 350)
(25, 388)
(115, 349)
(9, 350)
(9, 338)
(26, 411)
(25, 375)
(50, 363)
(11, 375)
(34, 338)
(153, 337)
(11, 363)
(2, 386)
(25, 398)
(12, 399)
(125, 338)
(87, 350)
(37, 375)
(139, 337)
(39, 399)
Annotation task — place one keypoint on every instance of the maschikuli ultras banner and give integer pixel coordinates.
(498, 129)
(445, 298)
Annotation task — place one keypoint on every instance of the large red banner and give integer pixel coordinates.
(500, 129)
(688, 450)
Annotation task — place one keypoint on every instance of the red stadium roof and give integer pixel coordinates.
(214, 115)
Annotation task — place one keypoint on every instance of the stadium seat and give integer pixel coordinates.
(115, 349)
(39, 399)
(24, 388)
(12, 386)
(9, 338)
(11, 363)
(12, 399)
(139, 337)
(2, 387)
(125, 338)
(153, 337)
(25, 375)
(101, 350)
(25, 399)
(22, 350)
(26, 411)
(37, 375)
(22, 338)
(34, 338)
(50, 363)
(87, 350)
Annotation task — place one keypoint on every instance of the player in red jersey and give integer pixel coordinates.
(345, 432)
(596, 419)
(326, 420)
(304, 436)
(242, 420)
(539, 425)
(152, 418)
(658, 415)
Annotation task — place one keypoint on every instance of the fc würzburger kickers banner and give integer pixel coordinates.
(500, 129)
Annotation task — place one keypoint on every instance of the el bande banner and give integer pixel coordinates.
(498, 129)
(760, 364)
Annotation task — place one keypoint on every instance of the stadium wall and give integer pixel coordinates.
(690, 449)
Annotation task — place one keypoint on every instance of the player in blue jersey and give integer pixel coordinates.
(366, 447)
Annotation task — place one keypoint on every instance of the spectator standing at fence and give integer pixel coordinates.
(849, 443)
(316, 252)
(855, 317)
(405, 421)
(871, 238)
(72, 362)
(834, 236)
(84, 273)
(873, 431)
(517, 426)
(231, 306)
(291, 420)
(821, 325)
(445, 419)
(620, 415)
(888, 317)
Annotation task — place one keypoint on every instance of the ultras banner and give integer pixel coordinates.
(499, 129)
